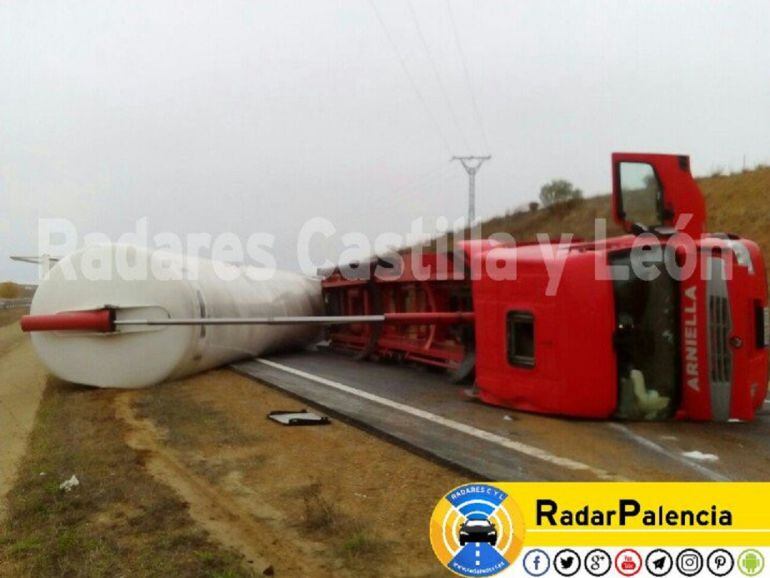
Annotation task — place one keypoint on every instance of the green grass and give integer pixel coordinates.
(360, 544)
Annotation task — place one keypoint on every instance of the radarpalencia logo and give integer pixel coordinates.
(629, 512)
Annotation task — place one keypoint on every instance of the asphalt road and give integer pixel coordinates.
(424, 411)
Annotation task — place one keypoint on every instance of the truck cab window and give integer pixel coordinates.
(521, 338)
(640, 194)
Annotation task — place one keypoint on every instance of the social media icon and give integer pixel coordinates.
(597, 562)
(689, 562)
(720, 562)
(566, 562)
(659, 562)
(751, 562)
(536, 563)
(628, 562)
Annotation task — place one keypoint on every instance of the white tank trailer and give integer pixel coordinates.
(124, 316)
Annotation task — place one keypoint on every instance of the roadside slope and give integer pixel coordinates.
(22, 381)
(740, 203)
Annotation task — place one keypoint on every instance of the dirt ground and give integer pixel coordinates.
(22, 381)
(191, 478)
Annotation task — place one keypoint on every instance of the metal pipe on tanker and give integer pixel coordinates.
(138, 283)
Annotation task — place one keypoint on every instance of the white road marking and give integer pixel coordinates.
(652, 446)
(522, 448)
(700, 456)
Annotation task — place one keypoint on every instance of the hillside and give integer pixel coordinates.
(737, 203)
(740, 203)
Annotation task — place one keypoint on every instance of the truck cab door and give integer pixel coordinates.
(654, 190)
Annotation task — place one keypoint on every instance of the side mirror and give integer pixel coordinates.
(654, 191)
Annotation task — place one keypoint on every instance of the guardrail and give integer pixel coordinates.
(15, 303)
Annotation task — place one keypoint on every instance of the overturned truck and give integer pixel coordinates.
(665, 322)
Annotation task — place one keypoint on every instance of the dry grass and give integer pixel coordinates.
(188, 423)
(251, 457)
(354, 540)
(320, 513)
(577, 217)
(740, 203)
(119, 521)
(364, 494)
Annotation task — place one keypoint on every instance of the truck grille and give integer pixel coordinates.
(719, 335)
(719, 352)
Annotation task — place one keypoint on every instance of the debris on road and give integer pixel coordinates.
(700, 456)
(302, 417)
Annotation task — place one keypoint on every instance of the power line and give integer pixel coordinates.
(467, 75)
(410, 77)
(405, 191)
(437, 75)
(423, 179)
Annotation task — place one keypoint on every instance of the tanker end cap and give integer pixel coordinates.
(100, 320)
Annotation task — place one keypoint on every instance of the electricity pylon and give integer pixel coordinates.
(471, 164)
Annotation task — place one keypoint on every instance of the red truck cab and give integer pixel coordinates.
(665, 322)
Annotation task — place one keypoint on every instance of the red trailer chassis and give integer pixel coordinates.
(435, 288)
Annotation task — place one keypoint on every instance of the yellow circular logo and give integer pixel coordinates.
(477, 530)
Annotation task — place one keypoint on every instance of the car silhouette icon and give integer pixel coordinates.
(478, 531)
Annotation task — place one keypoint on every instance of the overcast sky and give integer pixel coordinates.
(257, 115)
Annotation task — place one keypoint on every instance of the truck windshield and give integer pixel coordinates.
(646, 339)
